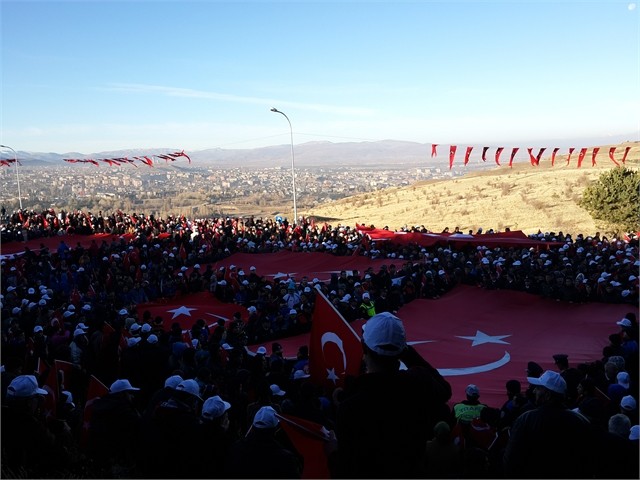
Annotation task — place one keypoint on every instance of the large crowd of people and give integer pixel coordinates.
(203, 406)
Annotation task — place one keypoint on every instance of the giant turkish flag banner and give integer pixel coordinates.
(187, 309)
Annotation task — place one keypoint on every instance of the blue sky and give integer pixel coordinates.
(93, 76)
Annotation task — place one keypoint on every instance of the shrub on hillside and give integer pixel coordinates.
(612, 200)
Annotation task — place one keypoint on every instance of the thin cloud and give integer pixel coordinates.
(223, 97)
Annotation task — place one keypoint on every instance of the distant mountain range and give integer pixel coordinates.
(323, 153)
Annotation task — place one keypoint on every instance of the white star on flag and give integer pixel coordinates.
(480, 337)
(280, 275)
(181, 311)
(331, 375)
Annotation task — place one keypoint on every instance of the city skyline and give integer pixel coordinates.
(99, 76)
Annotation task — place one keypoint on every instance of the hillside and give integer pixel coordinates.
(522, 198)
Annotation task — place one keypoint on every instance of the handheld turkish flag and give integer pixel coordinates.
(50, 384)
(66, 372)
(95, 390)
(309, 439)
(335, 350)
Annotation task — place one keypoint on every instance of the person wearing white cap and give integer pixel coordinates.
(78, 347)
(388, 413)
(550, 441)
(162, 395)
(172, 433)
(28, 446)
(114, 428)
(215, 438)
(269, 458)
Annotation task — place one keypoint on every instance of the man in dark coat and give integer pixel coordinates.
(260, 454)
(388, 414)
(550, 441)
(114, 429)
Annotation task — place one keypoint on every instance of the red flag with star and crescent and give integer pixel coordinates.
(335, 350)
(309, 439)
(187, 309)
(95, 390)
(487, 344)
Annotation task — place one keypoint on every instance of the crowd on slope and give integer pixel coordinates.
(202, 395)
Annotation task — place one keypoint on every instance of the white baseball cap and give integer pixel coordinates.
(24, 386)
(122, 385)
(384, 334)
(214, 407)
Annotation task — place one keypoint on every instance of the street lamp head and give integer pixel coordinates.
(273, 109)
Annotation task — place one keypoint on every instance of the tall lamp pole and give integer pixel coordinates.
(15, 156)
(293, 171)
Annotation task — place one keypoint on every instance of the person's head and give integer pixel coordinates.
(513, 388)
(276, 349)
(620, 424)
(265, 420)
(611, 369)
(24, 390)
(215, 409)
(550, 387)
(189, 392)
(628, 405)
(533, 369)
(561, 360)
(442, 432)
(472, 392)
(383, 342)
(303, 352)
(123, 388)
(173, 381)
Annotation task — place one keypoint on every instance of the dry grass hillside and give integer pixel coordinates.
(523, 198)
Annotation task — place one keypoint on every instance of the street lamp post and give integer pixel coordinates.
(293, 171)
(15, 156)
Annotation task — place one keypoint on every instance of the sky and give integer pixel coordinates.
(96, 76)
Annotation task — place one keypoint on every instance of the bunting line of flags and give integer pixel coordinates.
(533, 159)
(117, 161)
(145, 159)
(7, 162)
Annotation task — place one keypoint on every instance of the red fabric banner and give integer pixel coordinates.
(581, 155)
(48, 380)
(66, 372)
(553, 156)
(626, 152)
(539, 156)
(467, 154)
(498, 152)
(95, 390)
(593, 156)
(506, 330)
(514, 150)
(532, 159)
(335, 350)
(309, 440)
(612, 150)
(187, 309)
(452, 155)
(434, 146)
(569, 156)
(484, 153)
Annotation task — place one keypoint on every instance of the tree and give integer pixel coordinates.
(613, 200)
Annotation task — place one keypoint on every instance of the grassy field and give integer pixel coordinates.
(523, 198)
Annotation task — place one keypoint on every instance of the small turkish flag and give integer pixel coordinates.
(335, 350)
